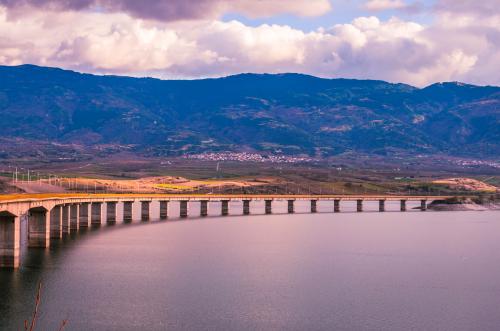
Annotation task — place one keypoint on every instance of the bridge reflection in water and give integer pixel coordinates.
(50, 218)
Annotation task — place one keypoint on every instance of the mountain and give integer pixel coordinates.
(287, 113)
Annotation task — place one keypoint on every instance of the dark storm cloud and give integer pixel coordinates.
(164, 10)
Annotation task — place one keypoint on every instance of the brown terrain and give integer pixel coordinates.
(467, 184)
(128, 173)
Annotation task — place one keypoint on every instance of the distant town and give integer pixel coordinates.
(249, 157)
(477, 163)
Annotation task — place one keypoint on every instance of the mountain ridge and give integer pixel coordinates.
(35, 66)
(277, 113)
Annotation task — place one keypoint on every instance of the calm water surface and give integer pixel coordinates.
(369, 271)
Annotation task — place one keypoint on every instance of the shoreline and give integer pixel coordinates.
(464, 205)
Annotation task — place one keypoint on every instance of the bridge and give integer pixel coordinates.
(50, 217)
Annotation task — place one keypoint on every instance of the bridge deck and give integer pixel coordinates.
(10, 198)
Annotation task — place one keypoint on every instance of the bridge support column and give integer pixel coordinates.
(269, 206)
(336, 206)
(74, 211)
(314, 206)
(10, 240)
(381, 205)
(224, 207)
(163, 210)
(127, 211)
(423, 205)
(203, 208)
(183, 204)
(56, 222)
(84, 215)
(359, 206)
(246, 207)
(96, 215)
(403, 205)
(291, 206)
(145, 210)
(111, 212)
(65, 219)
(38, 227)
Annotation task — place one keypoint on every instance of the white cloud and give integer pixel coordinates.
(394, 49)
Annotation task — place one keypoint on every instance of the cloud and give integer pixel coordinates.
(469, 7)
(380, 5)
(395, 50)
(174, 10)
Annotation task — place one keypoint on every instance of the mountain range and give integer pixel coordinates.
(292, 114)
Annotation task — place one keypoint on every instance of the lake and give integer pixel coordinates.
(325, 271)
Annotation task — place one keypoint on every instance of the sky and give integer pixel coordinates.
(418, 42)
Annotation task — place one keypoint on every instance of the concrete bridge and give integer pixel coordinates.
(51, 217)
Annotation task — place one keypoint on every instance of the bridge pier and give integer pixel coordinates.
(38, 227)
(65, 219)
(163, 210)
(84, 215)
(291, 206)
(246, 207)
(203, 208)
(145, 210)
(56, 221)
(111, 212)
(183, 204)
(336, 206)
(314, 206)
(403, 205)
(269, 206)
(10, 240)
(381, 205)
(423, 205)
(225, 207)
(127, 211)
(96, 214)
(74, 211)
(359, 206)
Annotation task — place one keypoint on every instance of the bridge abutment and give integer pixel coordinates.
(403, 205)
(10, 240)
